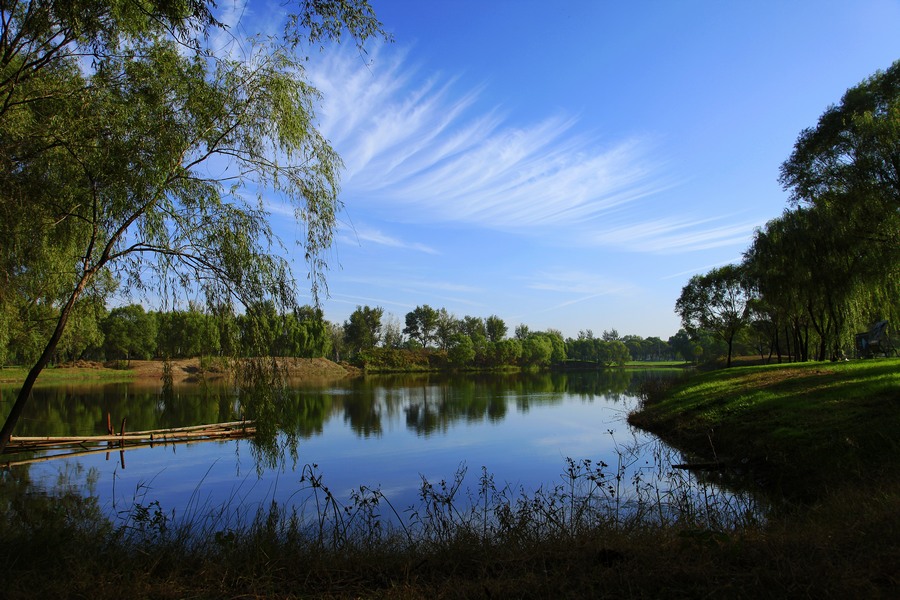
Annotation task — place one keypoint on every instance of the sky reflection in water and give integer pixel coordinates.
(381, 432)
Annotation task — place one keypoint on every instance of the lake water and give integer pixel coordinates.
(385, 432)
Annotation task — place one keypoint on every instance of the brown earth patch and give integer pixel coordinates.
(190, 369)
(312, 368)
(81, 364)
(150, 372)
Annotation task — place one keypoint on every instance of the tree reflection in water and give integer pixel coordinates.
(348, 423)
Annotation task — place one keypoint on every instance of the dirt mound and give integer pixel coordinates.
(190, 369)
(310, 368)
(81, 364)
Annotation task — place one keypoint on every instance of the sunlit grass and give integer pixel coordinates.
(14, 376)
(657, 364)
(839, 417)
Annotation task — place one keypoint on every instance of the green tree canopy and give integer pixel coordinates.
(85, 336)
(475, 329)
(852, 156)
(460, 350)
(559, 345)
(496, 328)
(363, 329)
(716, 301)
(130, 332)
(682, 344)
(844, 179)
(614, 352)
(537, 349)
(446, 327)
(421, 324)
(391, 333)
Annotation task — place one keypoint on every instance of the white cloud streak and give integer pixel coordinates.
(675, 234)
(705, 269)
(412, 143)
(416, 284)
(421, 151)
(577, 287)
(363, 236)
(577, 282)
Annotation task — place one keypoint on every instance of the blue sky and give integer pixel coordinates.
(571, 165)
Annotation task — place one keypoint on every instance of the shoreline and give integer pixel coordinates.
(187, 370)
(803, 430)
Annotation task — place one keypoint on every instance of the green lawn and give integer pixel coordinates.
(14, 376)
(657, 364)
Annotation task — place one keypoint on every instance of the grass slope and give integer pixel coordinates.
(807, 428)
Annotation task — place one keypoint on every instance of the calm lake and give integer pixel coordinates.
(385, 432)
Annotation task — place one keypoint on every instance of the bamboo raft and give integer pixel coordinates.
(68, 446)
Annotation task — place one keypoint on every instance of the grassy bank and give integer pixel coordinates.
(834, 427)
(657, 364)
(802, 429)
(95, 372)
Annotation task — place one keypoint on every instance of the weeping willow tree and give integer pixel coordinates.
(830, 265)
(810, 276)
(847, 170)
(131, 153)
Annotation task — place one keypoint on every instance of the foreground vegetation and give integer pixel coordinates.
(824, 434)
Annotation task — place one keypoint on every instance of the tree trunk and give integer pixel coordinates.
(789, 340)
(777, 342)
(804, 342)
(25, 391)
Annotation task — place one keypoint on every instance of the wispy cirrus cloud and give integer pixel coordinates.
(574, 282)
(697, 270)
(675, 234)
(447, 291)
(421, 150)
(577, 286)
(418, 143)
(408, 283)
(366, 235)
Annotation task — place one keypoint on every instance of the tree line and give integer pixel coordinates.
(131, 332)
(427, 339)
(434, 338)
(828, 267)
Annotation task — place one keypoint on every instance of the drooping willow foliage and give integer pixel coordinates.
(829, 266)
(133, 153)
